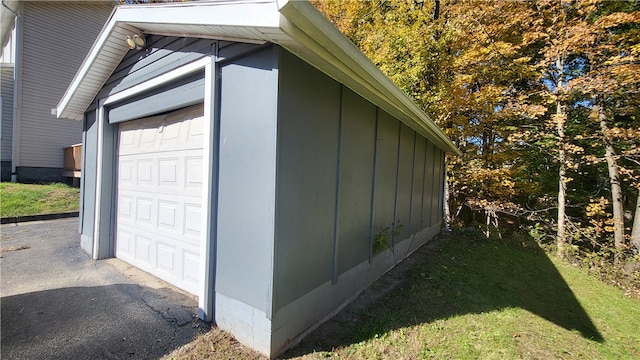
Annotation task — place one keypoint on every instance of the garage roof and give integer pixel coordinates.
(293, 24)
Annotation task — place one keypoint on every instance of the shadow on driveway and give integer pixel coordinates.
(57, 303)
(104, 322)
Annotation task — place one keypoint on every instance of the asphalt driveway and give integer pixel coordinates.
(57, 303)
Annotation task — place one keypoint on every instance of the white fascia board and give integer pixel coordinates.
(223, 13)
(94, 53)
(260, 13)
(304, 16)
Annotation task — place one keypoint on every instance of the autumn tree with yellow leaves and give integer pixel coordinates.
(541, 97)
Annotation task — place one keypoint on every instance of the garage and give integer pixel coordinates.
(159, 195)
(248, 153)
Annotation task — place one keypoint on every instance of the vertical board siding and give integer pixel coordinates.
(345, 171)
(247, 168)
(440, 182)
(308, 127)
(405, 180)
(56, 38)
(418, 185)
(385, 176)
(427, 207)
(6, 92)
(356, 163)
(89, 175)
(436, 186)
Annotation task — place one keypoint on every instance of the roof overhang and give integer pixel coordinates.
(293, 24)
(8, 12)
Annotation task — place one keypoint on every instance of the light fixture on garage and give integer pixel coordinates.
(136, 41)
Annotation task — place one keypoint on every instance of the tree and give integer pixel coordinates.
(611, 56)
(537, 95)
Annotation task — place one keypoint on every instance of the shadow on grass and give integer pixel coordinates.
(459, 275)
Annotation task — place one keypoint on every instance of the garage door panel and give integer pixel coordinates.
(166, 258)
(196, 131)
(193, 173)
(192, 220)
(143, 249)
(168, 169)
(125, 239)
(160, 184)
(125, 208)
(168, 215)
(191, 266)
(144, 211)
(125, 173)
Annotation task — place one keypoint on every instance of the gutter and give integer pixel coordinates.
(310, 21)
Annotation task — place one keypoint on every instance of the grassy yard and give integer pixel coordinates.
(31, 199)
(465, 297)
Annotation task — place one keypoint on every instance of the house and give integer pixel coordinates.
(44, 43)
(248, 153)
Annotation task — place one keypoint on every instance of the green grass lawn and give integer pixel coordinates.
(32, 199)
(466, 297)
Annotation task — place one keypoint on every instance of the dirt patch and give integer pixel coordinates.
(215, 344)
(14, 248)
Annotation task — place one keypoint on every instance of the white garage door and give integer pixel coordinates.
(159, 195)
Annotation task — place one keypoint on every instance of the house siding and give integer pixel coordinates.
(346, 170)
(51, 52)
(315, 196)
(6, 93)
(357, 148)
(246, 190)
(308, 130)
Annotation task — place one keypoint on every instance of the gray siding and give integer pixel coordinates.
(428, 185)
(386, 171)
(6, 91)
(345, 171)
(163, 54)
(246, 195)
(405, 180)
(182, 93)
(88, 180)
(357, 151)
(49, 62)
(439, 186)
(417, 195)
(308, 126)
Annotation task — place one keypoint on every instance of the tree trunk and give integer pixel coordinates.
(561, 236)
(447, 211)
(635, 232)
(614, 179)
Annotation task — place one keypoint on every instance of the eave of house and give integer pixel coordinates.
(295, 25)
(8, 11)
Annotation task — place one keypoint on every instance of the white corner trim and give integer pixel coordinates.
(100, 118)
(205, 286)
